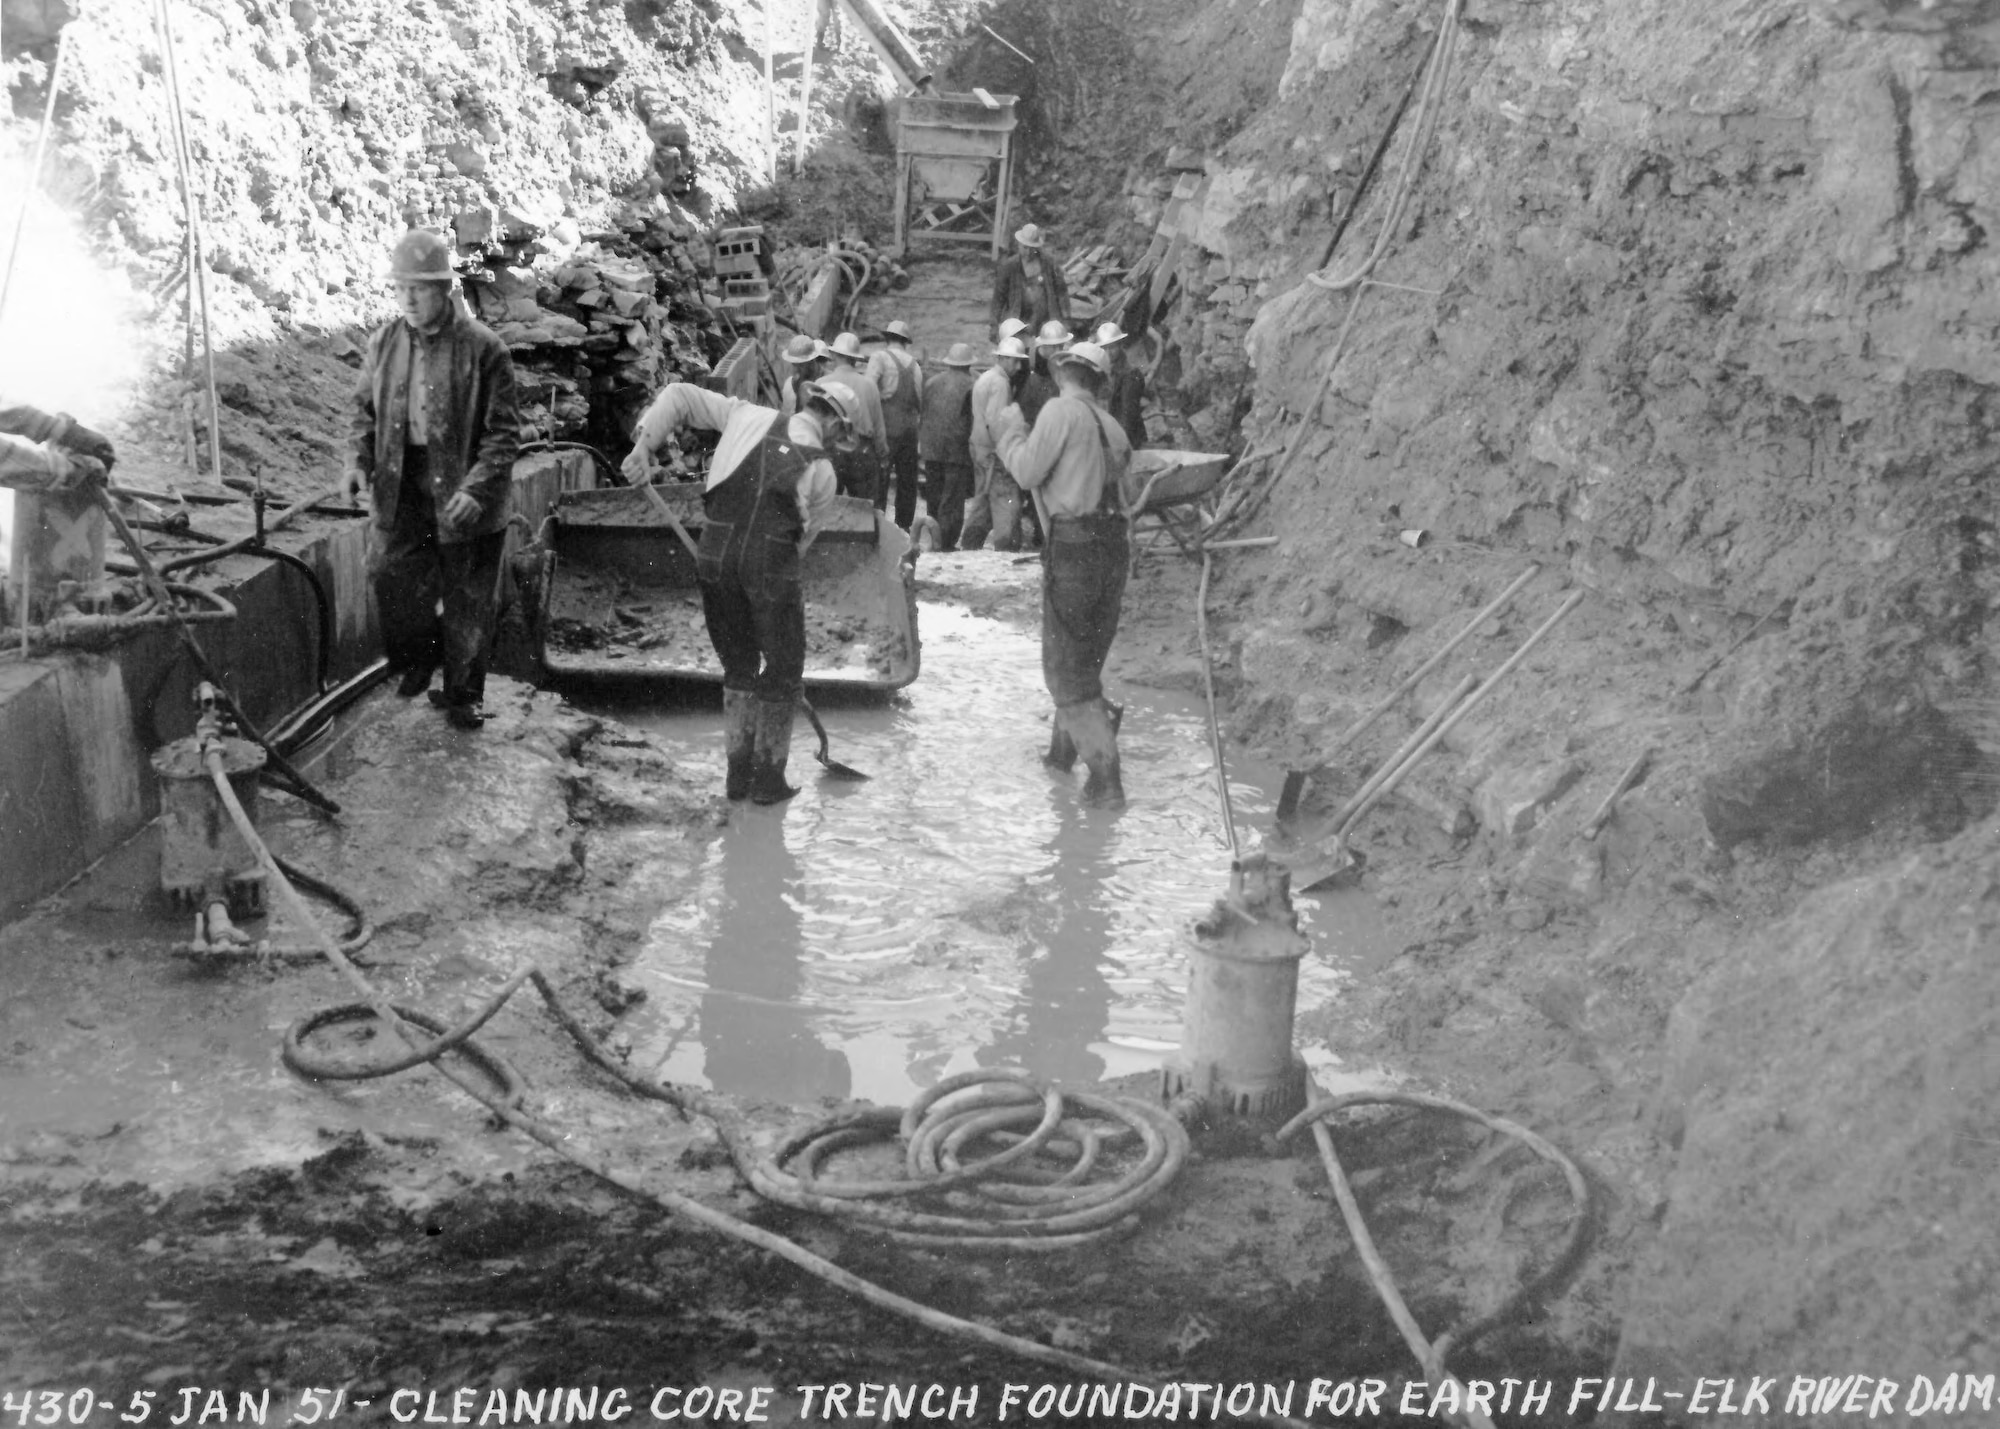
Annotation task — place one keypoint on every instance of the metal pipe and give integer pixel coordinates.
(889, 42)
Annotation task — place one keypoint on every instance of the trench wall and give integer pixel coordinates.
(77, 730)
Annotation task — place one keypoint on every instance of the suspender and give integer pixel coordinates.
(1111, 498)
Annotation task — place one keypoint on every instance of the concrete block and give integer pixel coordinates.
(103, 748)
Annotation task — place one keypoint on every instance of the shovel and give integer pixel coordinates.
(834, 768)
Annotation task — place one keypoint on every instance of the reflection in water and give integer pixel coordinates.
(758, 1039)
(1065, 997)
(958, 910)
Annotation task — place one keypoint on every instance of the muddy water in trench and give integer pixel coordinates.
(962, 908)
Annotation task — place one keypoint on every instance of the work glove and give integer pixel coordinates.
(82, 473)
(460, 512)
(89, 442)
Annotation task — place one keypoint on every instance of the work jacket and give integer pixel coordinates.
(1015, 295)
(473, 425)
(946, 436)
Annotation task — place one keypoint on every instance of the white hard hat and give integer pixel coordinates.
(1010, 347)
(1085, 354)
(1053, 334)
(847, 345)
(1108, 333)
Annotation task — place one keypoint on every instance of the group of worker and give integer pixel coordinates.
(435, 432)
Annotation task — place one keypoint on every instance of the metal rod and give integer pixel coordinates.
(200, 266)
(1569, 604)
(1007, 42)
(34, 171)
(806, 86)
(1214, 726)
(1239, 544)
(770, 96)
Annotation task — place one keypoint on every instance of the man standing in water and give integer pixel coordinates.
(1074, 462)
(432, 440)
(766, 488)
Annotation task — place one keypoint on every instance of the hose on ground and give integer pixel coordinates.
(1431, 1353)
(947, 1136)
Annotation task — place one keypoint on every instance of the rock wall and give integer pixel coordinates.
(1692, 306)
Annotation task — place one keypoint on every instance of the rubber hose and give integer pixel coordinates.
(271, 553)
(359, 929)
(512, 1088)
(612, 474)
(1580, 1223)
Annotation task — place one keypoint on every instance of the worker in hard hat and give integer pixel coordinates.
(1074, 461)
(863, 472)
(899, 378)
(42, 451)
(1127, 395)
(1028, 284)
(805, 359)
(432, 441)
(946, 442)
(995, 505)
(768, 484)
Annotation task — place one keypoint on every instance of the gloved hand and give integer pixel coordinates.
(84, 473)
(459, 512)
(637, 463)
(89, 442)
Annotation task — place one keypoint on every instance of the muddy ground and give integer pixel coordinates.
(182, 1211)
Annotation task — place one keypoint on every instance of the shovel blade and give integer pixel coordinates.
(1322, 867)
(836, 770)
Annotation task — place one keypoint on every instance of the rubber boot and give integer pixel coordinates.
(1062, 749)
(1089, 725)
(739, 740)
(774, 747)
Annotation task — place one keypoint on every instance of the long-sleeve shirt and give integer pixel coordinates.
(1063, 459)
(868, 397)
(29, 459)
(990, 395)
(743, 426)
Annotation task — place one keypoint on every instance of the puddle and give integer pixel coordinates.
(960, 909)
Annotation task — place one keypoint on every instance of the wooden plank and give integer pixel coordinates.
(984, 98)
